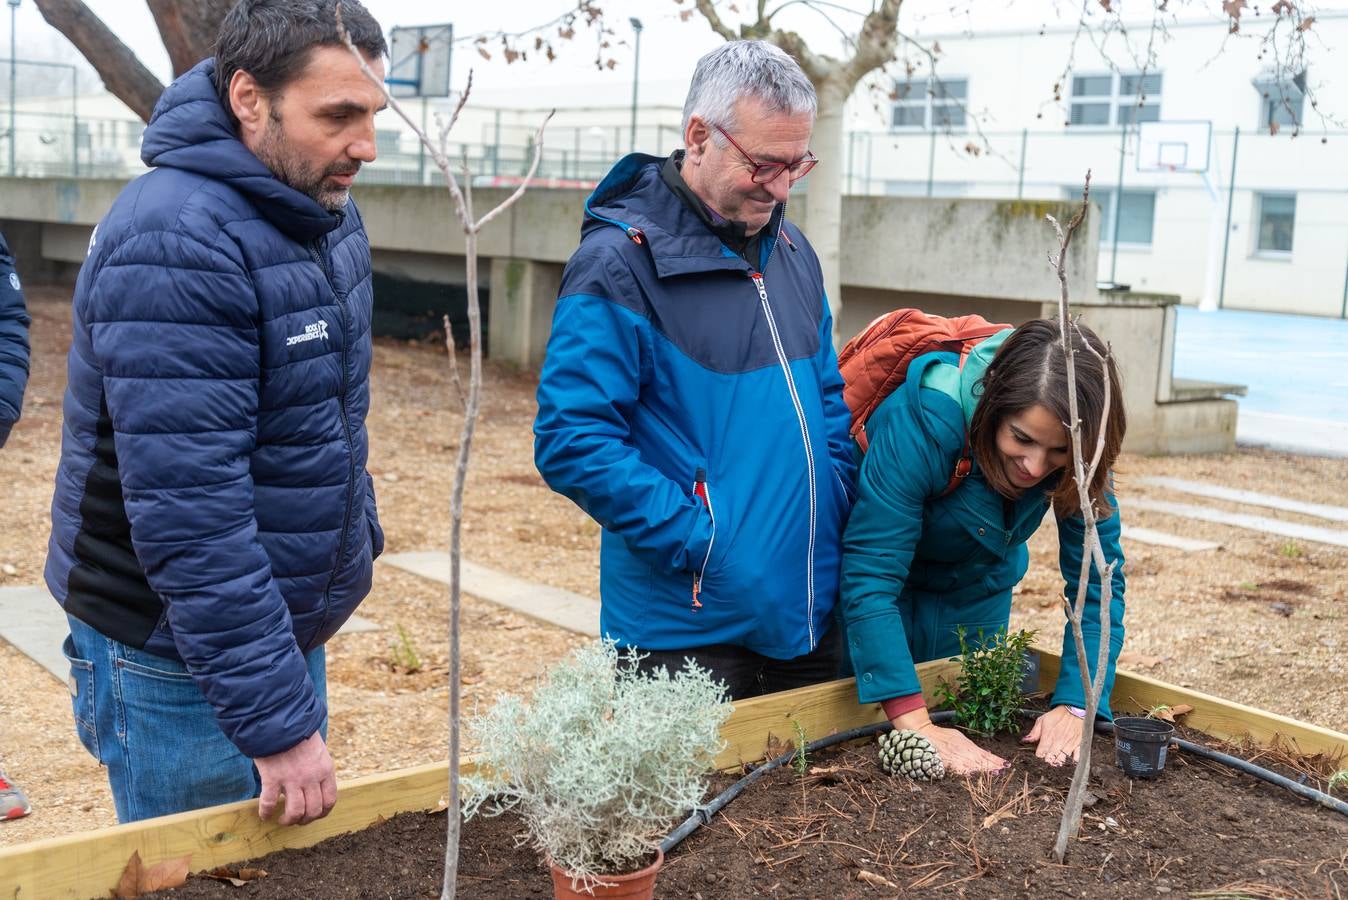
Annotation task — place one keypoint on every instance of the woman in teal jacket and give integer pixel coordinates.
(918, 562)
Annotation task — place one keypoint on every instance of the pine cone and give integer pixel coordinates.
(909, 753)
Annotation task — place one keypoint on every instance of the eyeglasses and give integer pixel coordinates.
(763, 173)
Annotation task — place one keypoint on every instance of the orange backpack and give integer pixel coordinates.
(875, 363)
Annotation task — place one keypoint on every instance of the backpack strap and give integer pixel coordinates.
(963, 466)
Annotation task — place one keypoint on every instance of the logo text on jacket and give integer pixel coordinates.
(316, 331)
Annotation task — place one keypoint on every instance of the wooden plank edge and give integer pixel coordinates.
(820, 710)
(1225, 719)
(89, 864)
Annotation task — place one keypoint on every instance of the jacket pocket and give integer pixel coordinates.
(702, 491)
(372, 519)
(81, 684)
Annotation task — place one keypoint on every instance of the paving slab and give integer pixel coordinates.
(1292, 434)
(574, 612)
(1252, 498)
(1162, 539)
(33, 622)
(1314, 533)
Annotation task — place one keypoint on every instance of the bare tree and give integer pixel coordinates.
(123, 74)
(461, 196)
(187, 27)
(1083, 472)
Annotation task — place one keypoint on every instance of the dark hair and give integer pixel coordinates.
(1029, 370)
(272, 39)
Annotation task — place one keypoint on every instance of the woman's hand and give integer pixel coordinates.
(960, 755)
(1058, 732)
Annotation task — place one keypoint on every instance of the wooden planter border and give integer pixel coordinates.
(89, 864)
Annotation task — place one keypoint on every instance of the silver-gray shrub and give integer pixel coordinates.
(602, 761)
(746, 69)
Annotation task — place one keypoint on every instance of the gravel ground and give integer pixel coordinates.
(1260, 621)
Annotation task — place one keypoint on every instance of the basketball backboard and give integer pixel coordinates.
(419, 61)
(1173, 146)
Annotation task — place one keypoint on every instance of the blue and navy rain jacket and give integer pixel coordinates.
(14, 323)
(676, 370)
(212, 502)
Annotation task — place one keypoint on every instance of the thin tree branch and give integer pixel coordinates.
(463, 204)
(519, 191)
(1092, 549)
(454, 362)
(708, 10)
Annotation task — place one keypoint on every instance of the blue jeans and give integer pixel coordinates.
(143, 717)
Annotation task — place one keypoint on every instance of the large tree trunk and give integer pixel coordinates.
(824, 192)
(188, 28)
(122, 72)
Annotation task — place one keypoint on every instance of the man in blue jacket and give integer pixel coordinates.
(14, 324)
(213, 523)
(690, 400)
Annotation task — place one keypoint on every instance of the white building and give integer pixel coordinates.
(990, 126)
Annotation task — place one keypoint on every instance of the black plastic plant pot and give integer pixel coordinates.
(1140, 745)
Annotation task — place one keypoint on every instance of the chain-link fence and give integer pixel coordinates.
(1264, 227)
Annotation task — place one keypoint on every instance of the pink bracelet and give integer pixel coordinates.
(1077, 711)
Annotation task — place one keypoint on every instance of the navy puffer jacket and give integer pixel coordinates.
(212, 502)
(13, 343)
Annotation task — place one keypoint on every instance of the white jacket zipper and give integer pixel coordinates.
(805, 438)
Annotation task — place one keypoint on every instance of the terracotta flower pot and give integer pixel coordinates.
(638, 885)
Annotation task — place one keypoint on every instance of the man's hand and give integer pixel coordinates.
(1058, 732)
(960, 755)
(305, 775)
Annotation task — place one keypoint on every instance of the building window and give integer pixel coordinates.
(1277, 220)
(1281, 102)
(1137, 215)
(134, 132)
(930, 104)
(1115, 99)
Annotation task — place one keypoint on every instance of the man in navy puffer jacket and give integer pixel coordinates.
(213, 523)
(14, 324)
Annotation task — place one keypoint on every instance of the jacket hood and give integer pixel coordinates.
(634, 198)
(192, 132)
(980, 357)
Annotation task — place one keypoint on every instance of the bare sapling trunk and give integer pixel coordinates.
(1083, 472)
(462, 199)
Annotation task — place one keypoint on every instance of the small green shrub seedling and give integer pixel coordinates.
(987, 698)
(1290, 550)
(1338, 781)
(403, 654)
(802, 761)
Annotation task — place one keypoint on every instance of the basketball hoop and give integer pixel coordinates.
(1173, 147)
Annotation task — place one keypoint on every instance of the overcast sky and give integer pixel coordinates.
(669, 46)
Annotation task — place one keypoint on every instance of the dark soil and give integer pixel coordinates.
(848, 830)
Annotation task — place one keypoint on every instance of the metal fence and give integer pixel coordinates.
(1266, 227)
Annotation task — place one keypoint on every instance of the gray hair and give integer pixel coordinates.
(738, 69)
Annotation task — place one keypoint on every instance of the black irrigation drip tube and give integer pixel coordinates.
(704, 814)
(1250, 768)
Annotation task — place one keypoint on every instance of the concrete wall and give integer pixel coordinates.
(946, 256)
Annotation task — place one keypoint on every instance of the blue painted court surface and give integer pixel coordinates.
(1296, 368)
